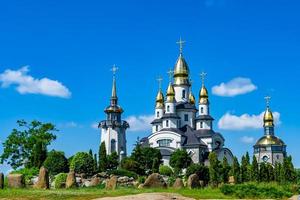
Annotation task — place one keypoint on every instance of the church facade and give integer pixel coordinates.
(269, 148)
(181, 123)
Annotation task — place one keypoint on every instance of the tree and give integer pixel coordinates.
(91, 153)
(277, 171)
(235, 170)
(245, 169)
(288, 170)
(82, 162)
(199, 169)
(254, 170)
(56, 163)
(102, 158)
(225, 170)
(271, 175)
(112, 161)
(263, 172)
(28, 146)
(130, 165)
(214, 169)
(138, 156)
(95, 163)
(179, 160)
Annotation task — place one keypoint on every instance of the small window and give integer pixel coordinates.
(186, 117)
(168, 108)
(164, 142)
(201, 109)
(156, 127)
(113, 145)
(157, 114)
(183, 94)
(167, 123)
(201, 124)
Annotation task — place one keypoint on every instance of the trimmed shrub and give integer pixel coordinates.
(60, 180)
(165, 170)
(56, 163)
(123, 172)
(82, 162)
(28, 173)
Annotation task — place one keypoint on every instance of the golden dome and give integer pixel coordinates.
(203, 95)
(114, 109)
(268, 118)
(270, 140)
(159, 99)
(192, 98)
(170, 93)
(181, 71)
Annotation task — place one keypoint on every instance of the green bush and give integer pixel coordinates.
(165, 170)
(199, 169)
(60, 180)
(171, 181)
(82, 162)
(56, 163)
(28, 173)
(141, 179)
(123, 172)
(253, 190)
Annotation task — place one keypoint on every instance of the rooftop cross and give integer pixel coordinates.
(170, 72)
(203, 75)
(159, 80)
(268, 99)
(180, 43)
(114, 69)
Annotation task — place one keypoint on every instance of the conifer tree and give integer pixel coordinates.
(271, 175)
(225, 170)
(95, 163)
(102, 158)
(263, 172)
(289, 173)
(214, 169)
(254, 170)
(236, 170)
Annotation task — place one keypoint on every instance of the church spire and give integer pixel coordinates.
(159, 97)
(268, 116)
(170, 90)
(114, 97)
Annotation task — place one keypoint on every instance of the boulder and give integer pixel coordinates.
(141, 186)
(71, 180)
(123, 179)
(231, 180)
(1, 180)
(102, 175)
(95, 181)
(193, 181)
(43, 181)
(111, 183)
(155, 180)
(16, 181)
(178, 184)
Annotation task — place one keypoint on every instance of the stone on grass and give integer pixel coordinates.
(111, 183)
(1, 180)
(16, 181)
(43, 181)
(95, 181)
(193, 181)
(71, 180)
(178, 184)
(155, 180)
(231, 180)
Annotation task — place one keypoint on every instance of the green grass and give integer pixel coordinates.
(92, 193)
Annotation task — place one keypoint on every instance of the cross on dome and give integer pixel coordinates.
(268, 99)
(159, 80)
(180, 43)
(170, 72)
(114, 69)
(203, 75)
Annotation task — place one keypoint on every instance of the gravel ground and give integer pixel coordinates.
(149, 196)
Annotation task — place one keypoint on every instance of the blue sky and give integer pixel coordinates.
(72, 46)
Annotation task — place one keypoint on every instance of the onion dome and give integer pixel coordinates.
(270, 140)
(203, 95)
(159, 99)
(268, 118)
(192, 98)
(181, 72)
(170, 93)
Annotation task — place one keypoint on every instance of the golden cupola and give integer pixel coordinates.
(192, 98)
(268, 116)
(181, 71)
(170, 93)
(159, 99)
(203, 95)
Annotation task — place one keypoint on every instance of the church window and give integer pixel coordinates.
(183, 94)
(265, 158)
(167, 123)
(201, 124)
(201, 109)
(277, 156)
(164, 142)
(186, 117)
(156, 127)
(168, 108)
(157, 114)
(113, 145)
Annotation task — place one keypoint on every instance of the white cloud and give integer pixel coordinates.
(236, 86)
(245, 121)
(247, 139)
(26, 84)
(94, 125)
(140, 123)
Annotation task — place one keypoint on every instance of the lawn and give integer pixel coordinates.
(92, 193)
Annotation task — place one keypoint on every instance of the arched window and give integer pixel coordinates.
(167, 123)
(201, 124)
(186, 117)
(168, 108)
(157, 114)
(113, 145)
(164, 142)
(201, 109)
(183, 94)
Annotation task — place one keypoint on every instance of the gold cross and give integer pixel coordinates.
(180, 43)
(203, 75)
(268, 99)
(170, 72)
(114, 69)
(159, 80)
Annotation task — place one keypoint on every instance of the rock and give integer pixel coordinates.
(193, 181)
(1, 180)
(141, 186)
(111, 183)
(178, 184)
(86, 183)
(34, 180)
(123, 179)
(202, 183)
(43, 180)
(103, 175)
(95, 181)
(231, 180)
(155, 180)
(71, 180)
(16, 181)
